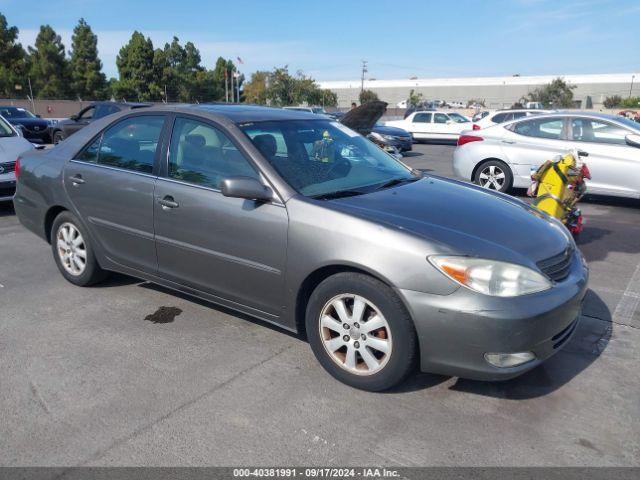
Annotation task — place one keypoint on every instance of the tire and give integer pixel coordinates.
(494, 175)
(73, 252)
(361, 362)
(58, 136)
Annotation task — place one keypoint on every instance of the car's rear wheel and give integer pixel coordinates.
(58, 137)
(494, 175)
(73, 252)
(360, 332)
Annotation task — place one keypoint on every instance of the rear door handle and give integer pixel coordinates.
(168, 202)
(77, 179)
(510, 142)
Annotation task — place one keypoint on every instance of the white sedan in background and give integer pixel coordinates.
(11, 145)
(494, 117)
(503, 156)
(433, 125)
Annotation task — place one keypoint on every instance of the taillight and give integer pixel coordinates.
(17, 168)
(476, 126)
(468, 139)
(585, 172)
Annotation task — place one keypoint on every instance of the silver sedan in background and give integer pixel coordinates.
(502, 156)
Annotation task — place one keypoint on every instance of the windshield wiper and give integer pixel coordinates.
(396, 181)
(337, 194)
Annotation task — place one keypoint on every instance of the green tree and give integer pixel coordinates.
(414, 99)
(48, 67)
(556, 94)
(87, 79)
(367, 96)
(137, 71)
(255, 90)
(13, 61)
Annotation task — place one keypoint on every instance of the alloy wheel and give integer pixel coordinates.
(355, 334)
(492, 177)
(71, 249)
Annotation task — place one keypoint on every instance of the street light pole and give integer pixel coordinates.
(631, 87)
(364, 70)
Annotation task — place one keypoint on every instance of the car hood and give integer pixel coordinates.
(29, 122)
(11, 147)
(385, 130)
(462, 219)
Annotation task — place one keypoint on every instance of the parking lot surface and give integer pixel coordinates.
(127, 373)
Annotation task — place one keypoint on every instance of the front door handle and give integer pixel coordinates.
(77, 179)
(168, 202)
(510, 142)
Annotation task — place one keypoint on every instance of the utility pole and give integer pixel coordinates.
(232, 94)
(631, 87)
(226, 85)
(33, 105)
(364, 70)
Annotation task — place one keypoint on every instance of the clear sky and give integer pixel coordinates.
(400, 38)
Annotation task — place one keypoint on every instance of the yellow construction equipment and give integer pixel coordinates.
(558, 185)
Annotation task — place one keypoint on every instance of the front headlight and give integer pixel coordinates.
(377, 136)
(389, 138)
(490, 277)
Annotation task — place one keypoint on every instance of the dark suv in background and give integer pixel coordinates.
(33, 128)
(84, 117)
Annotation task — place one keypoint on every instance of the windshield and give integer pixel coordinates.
(456, 117)
(15, 112)
(323, 158)
(5, 129)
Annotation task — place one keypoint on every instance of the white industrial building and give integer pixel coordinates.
(497, 92)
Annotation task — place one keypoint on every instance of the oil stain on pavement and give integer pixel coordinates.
(164, 315)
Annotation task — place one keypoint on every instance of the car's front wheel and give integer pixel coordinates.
(73, 253)
(58, 137)
(360, 332)
(494, 175)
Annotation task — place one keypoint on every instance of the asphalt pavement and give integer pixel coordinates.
(107, 376)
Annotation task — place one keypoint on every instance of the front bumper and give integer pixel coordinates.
(455, 331)
(402, 144)
(7, 187)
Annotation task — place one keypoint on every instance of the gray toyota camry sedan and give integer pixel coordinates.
(301, 222)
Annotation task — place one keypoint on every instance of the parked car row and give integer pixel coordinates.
(40, 130)
(503, 156)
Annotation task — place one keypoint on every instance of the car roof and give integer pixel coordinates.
(123, 104)
(240, 113)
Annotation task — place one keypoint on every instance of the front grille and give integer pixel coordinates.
(7, 167)
(557, 267)
(7, 191)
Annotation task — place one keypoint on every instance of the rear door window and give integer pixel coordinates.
(130, 144)
(549, 128)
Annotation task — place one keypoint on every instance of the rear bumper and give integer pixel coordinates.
(455, 331)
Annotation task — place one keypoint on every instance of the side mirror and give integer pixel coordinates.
(38, 116)
(74, 118)
(246, 187)
(633, 140)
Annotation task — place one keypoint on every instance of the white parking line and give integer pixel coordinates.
(628, 304)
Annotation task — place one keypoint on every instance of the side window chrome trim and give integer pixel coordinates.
(109, 167)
